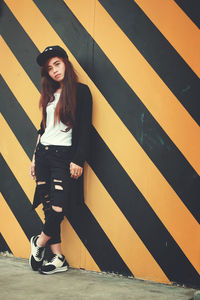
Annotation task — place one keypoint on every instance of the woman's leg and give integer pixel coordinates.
(51, 227)
(59, 188)
(43, 239)
(57, 263)
(54, 213)
(42, 195)
(55, 245)
(56, 248)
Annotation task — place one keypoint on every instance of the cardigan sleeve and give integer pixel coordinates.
(84, 127)
(41, 130)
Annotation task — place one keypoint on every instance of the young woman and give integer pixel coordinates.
(61, 149)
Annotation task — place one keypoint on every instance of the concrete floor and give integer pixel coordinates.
(18, 282)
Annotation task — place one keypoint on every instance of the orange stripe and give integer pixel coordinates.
(29, 96)
(152, 91)
(177, 28)
(12, 231)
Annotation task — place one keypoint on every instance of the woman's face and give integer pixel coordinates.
(56, 69)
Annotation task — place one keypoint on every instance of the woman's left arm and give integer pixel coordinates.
(83, 134)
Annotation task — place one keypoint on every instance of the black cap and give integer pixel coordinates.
(49, 52)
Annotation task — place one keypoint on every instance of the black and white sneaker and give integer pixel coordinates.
(56, 264)
(37, 254)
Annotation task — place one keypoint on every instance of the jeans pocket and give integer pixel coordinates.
(38, 151)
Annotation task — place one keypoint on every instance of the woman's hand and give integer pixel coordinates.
(75, 170)
(32, 170)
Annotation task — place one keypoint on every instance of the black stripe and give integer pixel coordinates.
(82, 220)
(20, 44)
(140, 215)
(17, 119)
(3, 245)
(18, 201)
(159, 53)
(191, 8)
(168, 159)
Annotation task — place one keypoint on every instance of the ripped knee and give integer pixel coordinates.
(57, 208)
(57, 195)
(43, 193)
(41, 182)
(58, 184)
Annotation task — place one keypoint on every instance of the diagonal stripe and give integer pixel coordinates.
(3, 245)
(140, 215)
(18, 201)
(137, 257)
(9, 28)
(193, 11)
(128, 190)
(169, 202)
(147, 132)
(15, 237)
(138, 120)
(29, 97)
(181, 124)
(159, 53)
(19, 166)
(83, 221)
(72, 245)
(94, 238)
(96, 228)
(176, 27)
(138, 182)
(6, 96)
(24, 129)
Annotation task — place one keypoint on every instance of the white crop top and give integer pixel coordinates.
(55, 134)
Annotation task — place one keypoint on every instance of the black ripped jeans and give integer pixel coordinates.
(53, 186)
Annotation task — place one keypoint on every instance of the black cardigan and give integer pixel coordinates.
(81, 129)
(80, 138)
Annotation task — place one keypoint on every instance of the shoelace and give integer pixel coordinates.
(39, 252)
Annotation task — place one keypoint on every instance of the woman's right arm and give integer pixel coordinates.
(32, 166)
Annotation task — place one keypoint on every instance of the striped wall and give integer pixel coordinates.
(141, 61)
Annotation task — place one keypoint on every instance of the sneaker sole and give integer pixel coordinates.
(31, 242)
(62, 269)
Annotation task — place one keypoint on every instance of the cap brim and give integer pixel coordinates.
(44, 56)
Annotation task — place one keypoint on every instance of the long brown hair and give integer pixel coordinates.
(66, 106)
